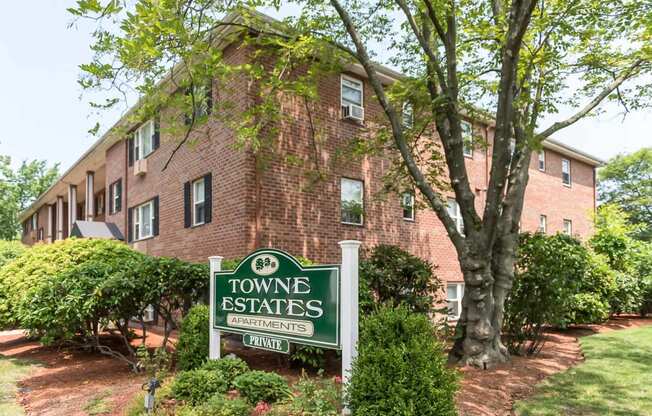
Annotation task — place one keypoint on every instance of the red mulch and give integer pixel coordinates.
(68, 380)
(493, 392)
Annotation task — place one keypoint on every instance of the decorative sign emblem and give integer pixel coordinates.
(264, 342)
(264, 264)
(270, 294)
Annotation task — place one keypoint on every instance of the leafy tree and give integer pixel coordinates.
(20, 188)
(626, 181)
(519, 60)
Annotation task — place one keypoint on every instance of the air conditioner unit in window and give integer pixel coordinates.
(140, 167)
(353, 112)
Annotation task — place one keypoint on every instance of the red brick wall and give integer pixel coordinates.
(211, 150)
(308, 223)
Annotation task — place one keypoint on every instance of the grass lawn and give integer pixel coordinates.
(615, 379)
(11, 371)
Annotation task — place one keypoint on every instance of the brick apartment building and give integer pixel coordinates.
(212, 200)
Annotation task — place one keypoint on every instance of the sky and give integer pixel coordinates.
(45, 115)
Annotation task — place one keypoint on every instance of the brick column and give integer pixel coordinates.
(90, 195)
(72, 206)
(59, 217)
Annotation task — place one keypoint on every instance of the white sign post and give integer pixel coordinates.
(349, 312)
(214, 343)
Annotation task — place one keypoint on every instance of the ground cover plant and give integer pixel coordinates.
(615, 379)
(11, 371)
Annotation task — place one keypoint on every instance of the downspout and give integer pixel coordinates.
(125, 192)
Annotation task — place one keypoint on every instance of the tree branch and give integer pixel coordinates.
(555, 127)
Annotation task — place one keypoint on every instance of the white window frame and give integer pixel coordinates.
(352, 80)
(113, 204)
(140, 140)
(411, 206)
(407, 115)
(456, 214)
(543, 223)
(342, 181)
(197, 201)
(460, 295)
(467, 138)
(138, 221)
(542, 160)
(568, 226)
(570, 179)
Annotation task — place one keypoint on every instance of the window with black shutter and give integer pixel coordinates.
(197, 201)
(203, 101)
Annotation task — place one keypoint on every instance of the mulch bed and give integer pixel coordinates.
(493, 392)
(68, 380)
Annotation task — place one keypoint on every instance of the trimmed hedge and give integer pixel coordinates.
(192, 348)
(28, 275)
(261, 386)
(401, 368)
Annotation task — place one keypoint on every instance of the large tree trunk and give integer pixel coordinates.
(487, 284)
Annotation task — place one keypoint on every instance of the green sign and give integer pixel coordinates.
(265, 342)
(270, 293)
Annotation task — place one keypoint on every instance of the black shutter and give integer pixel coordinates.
(130, 225)
(187, 213)
(155, 222)
(130, 146)
(118, 190)
(208, 198)
(209, 98)
(110, 201)
(157, 132)
(187, 116)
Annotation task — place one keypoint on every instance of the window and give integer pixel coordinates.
(408, 116)
(407, 203)
(41, 234)
(351, 94)
(456, 214)
(144, 221)
(568, 227)
(454, 295)
(543, 224)
(351, 197)
(566, 172)
(115, 197)
(203, 101)
(467, 137)
(99, 204)
(542, 160)
(144, 140)
(198, 199)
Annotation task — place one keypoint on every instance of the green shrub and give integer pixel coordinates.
(219, 405)
(197, 386)
(23, 279)
(192, 347)
(175, 286)
(549, 271)
(309, 356)
(230, 368)
(396, 277)
(400, 368)
(261, 386)
(315, 396)
(646, 294)
(589, 308)
(9, 250)
(628, 296)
